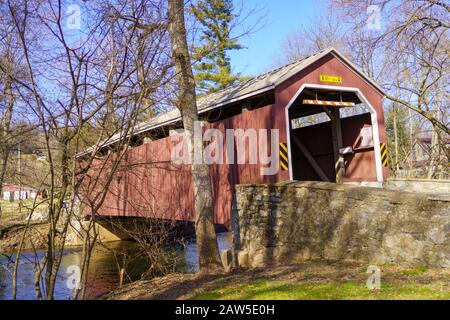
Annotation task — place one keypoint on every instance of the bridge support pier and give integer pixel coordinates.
(77, 231)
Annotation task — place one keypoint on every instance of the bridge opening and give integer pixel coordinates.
(324, 128)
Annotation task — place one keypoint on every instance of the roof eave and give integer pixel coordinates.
(178, 118)
(345, 60)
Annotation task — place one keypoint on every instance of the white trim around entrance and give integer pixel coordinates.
(374, 120)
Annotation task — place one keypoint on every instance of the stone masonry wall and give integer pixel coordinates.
(419, 185)
(296, 221)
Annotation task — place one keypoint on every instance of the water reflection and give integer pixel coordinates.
(191, 253)
(104, 271)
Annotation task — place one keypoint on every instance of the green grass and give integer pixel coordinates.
(415, 271)
(283, 290)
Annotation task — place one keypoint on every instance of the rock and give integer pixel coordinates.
(227, 260)
(436, 235)
(38, 216)
(258, 260)
(243, 259)
(404, 248)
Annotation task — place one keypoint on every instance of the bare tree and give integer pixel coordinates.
(88, 89)
(7, 97)
(413, 40)
(209, 258)
(323, 32)
(99, 96)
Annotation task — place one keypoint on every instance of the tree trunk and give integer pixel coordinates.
(4, 135)
(434, 154)
(411, 143)
(397, 168)
(208, 251)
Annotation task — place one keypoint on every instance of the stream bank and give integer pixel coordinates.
(104, 271)
(35, 237)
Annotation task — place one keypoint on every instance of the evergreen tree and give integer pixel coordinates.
(212, 68)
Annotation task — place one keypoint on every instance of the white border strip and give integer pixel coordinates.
(374, 120)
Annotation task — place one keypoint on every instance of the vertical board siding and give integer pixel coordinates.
(225, 176)
(359, 166)
(147, 184)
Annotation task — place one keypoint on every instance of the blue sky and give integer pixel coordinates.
(277, 19)
(281, 17)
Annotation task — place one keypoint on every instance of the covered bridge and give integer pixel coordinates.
(328, 117)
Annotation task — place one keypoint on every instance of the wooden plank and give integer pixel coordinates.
(337, 144)
(329, 103)
(309, 157)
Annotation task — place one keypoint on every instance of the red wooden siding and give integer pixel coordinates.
(329, 65)
(225, 176)
(148, 184)
(359, 166)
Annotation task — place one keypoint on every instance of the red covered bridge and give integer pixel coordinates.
(330, 123)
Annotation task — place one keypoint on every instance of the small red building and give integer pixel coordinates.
(328, 117)
(12, 192)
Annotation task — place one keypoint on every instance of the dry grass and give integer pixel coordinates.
(12, 223)
(15, 213)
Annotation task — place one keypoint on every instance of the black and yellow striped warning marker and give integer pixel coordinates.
(383, 151)
(284, 162)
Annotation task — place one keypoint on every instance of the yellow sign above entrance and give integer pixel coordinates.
(327, 78)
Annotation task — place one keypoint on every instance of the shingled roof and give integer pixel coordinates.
(240, 91)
